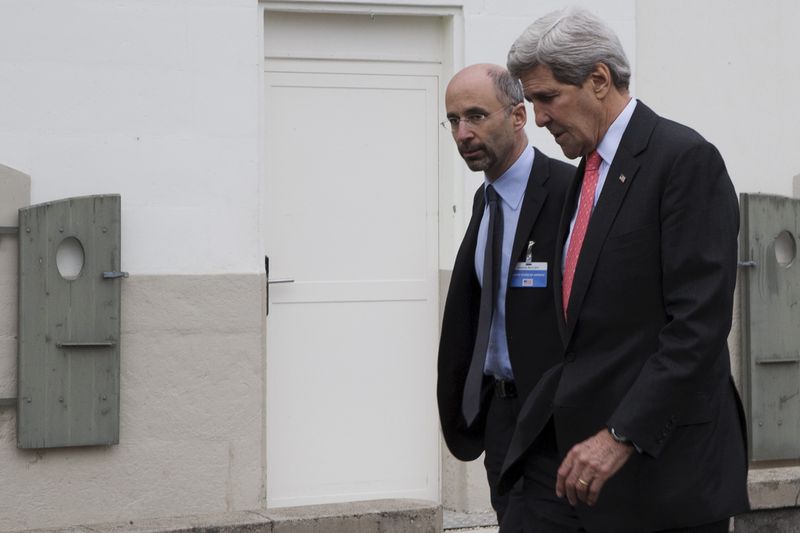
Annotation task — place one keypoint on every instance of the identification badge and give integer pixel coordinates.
(529, 275)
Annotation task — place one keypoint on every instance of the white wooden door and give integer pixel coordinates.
(350, 214)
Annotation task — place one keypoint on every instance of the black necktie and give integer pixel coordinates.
(471, 403)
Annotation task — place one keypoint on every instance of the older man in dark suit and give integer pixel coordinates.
(647, 419)
(499, 332)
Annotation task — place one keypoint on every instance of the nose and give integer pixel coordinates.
(462, 132)
(541, 116)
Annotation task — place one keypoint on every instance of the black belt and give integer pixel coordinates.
(505, 389)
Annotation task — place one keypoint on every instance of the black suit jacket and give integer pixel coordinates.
(645, 343)
(534, 343)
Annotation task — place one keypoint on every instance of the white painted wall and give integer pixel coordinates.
(157, 101)
(729, 69)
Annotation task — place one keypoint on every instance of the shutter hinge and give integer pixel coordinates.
(8, 402)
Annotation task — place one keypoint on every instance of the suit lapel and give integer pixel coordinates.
(464, 268)
(532, 202)
(605, 212)
(619, 179)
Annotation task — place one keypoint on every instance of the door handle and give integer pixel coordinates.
(272, 281)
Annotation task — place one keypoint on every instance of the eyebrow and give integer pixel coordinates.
(471, 111)
(544, 93)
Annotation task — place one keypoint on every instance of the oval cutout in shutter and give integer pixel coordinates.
(70, 258)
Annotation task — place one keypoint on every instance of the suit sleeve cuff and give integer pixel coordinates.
(624, 440)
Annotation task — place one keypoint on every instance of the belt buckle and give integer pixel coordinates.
(505, 389)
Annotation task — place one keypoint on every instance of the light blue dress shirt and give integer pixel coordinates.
(511, 189)
(608, 150)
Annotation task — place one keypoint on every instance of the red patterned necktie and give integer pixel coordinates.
(590, 176)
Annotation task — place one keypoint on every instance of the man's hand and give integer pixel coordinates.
(588, 465)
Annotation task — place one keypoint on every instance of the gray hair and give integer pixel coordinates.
(571, 42)
(508, 87)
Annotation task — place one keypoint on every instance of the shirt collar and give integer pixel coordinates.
(512, 183)
(608, 146)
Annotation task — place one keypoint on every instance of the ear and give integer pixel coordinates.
(600, 80)
(519, 115)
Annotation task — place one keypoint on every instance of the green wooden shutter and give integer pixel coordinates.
(770, 298)
(69, 329)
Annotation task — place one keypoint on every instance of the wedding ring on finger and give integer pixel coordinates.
(582, 482)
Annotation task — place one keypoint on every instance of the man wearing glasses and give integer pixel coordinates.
(499, 331)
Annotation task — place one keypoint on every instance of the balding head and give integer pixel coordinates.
(487, 118)
(508, 89)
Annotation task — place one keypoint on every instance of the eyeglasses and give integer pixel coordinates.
(473, 120)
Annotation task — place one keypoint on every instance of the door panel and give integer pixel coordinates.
(351, 216)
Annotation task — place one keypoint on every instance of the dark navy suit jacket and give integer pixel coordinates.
(534, 342)
(644, 348)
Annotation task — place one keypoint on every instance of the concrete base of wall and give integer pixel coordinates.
(771, 521)
(378, 516)
(774, 495)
